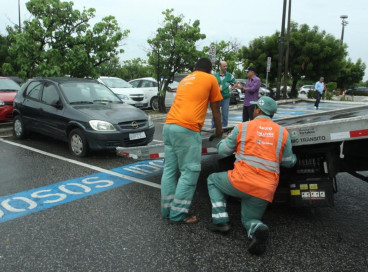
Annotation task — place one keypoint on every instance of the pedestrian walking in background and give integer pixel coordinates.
(183, 142)
(250, 90)
(319, 88)
(260, 147)
(227, 83)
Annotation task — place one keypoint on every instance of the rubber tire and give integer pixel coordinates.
(154, 103)
(78, 144)
(18, 128)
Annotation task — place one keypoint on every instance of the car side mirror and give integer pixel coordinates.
(57, 104)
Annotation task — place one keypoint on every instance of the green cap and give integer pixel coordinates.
(266, 104)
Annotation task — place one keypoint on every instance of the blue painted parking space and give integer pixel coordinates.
(38, 199)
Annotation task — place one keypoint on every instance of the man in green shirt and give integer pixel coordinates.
(225, 80)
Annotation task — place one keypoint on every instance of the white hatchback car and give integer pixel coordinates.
(305, 89)
(125, 91)
(149, 86)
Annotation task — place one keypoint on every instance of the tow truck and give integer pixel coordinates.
(325, 144)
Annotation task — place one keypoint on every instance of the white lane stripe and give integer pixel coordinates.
(96, 168)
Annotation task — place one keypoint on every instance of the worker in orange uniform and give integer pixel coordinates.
(260, 147)
(183, 141)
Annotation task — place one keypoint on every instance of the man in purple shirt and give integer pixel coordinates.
(251, 93)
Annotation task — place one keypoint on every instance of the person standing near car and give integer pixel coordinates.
(250, 91)
(183, 142)
(261, 146)
(227, 83)
(319, 87)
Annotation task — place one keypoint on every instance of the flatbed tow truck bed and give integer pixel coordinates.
(325, 144)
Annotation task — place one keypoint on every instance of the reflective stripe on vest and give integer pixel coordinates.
(257, 161)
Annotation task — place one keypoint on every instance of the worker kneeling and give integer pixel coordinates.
(260, 147)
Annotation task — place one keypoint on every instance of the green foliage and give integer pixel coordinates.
(173, 49)
(227, 51)
(350, 73)
(3, 52)
(136, 68)
(130, 69)
(328, 95)
(313, 53)
(60, 41)
(362, 84)
(311, 94)
(331, 86)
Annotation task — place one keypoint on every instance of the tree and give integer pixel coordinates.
(312, 54)
(173, 50)
(136, 68)
(3, 52)
(60, 41)
(350, 74)
(227, 51)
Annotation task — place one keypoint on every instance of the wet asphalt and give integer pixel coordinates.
(121, 229)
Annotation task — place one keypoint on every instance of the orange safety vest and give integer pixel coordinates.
(259, 148)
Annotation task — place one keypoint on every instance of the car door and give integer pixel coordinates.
(52, 121)
(171, 93)
(150, 89)
(30, 107)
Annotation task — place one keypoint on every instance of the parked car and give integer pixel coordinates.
(125, 91)
(234, 97)
(242, 83)
(305, 89)
(149, 86)
(82, 112)
(288, 90)
(357, 91)
(8, 90)
(263, 90)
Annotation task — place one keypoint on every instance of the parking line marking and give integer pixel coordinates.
(96, 168)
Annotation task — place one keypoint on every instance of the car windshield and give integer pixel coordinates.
(88, 93)
(116, 83)
(8, 85)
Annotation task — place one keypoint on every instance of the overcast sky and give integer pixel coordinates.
(239, 20)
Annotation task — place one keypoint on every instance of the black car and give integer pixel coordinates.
(357, 91)
(82, 112)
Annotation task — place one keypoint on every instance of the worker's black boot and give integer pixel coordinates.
(258, 244)
(220, 227)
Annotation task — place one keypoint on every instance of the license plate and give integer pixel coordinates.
(136, 136)
(139, 104)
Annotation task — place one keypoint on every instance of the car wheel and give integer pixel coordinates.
(18, 128)
(154, 103)
(78, 144)
(303, 92)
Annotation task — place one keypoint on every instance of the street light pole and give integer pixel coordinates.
(344, 23)
(19, 14)
(286, 72)
(281, 52)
